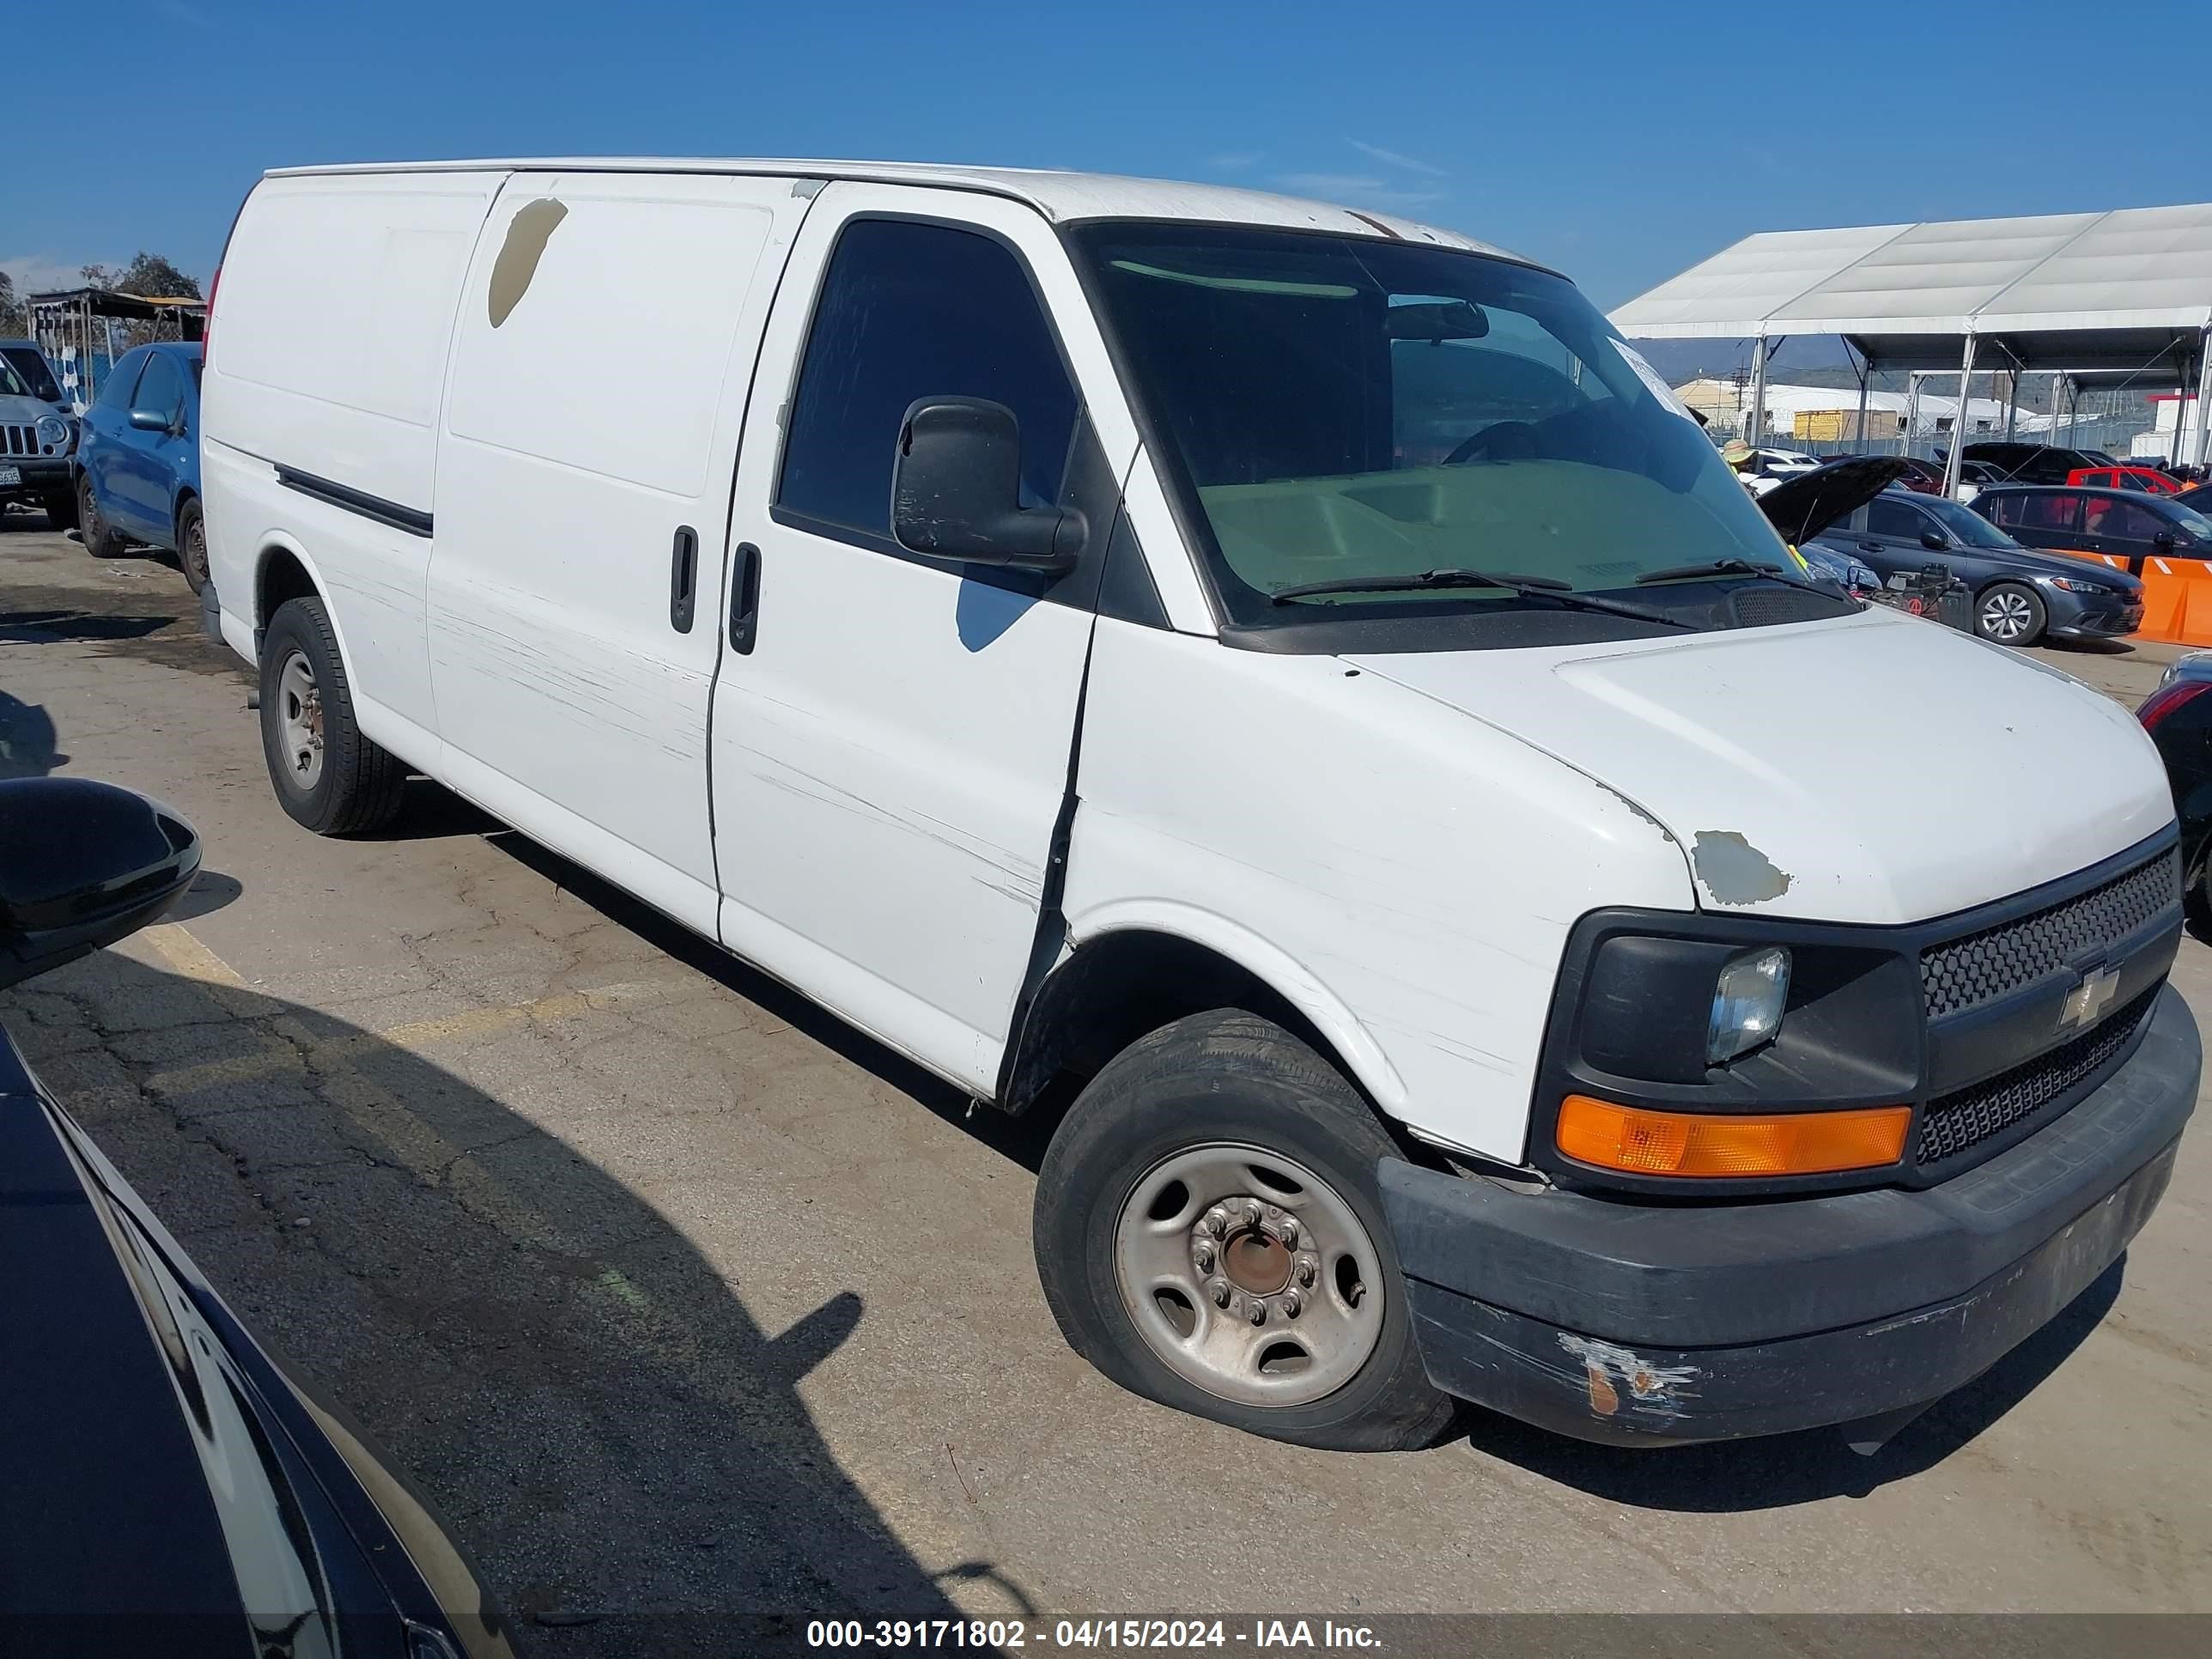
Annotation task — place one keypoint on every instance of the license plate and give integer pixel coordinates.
(10, 475)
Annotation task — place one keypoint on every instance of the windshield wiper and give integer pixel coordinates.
(1773, 573)
(1544, 587)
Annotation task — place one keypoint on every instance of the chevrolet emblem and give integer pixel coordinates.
(2087, 1002)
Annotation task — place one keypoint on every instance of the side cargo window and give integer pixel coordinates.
(911, 310)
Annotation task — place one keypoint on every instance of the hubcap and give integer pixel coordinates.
(2004, 615)
(1249, 1275)
(299, 721)
(195, 552)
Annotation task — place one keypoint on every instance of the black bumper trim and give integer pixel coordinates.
(1496, 1274)
(1621, 1395)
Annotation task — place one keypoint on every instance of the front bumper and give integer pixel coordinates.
(41, 476)
(1640, 1323)
(2105, 620)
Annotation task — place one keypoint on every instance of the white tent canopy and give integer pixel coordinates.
(2120, 295)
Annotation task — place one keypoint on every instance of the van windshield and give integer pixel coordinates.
(1343, 408)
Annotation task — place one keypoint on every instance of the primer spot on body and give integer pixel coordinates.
(1734, 871)
(527, 233)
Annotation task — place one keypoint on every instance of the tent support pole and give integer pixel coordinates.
(1959, 425)
(1757, 425)
(1912, 408)
(1859, 433)
(2012, 402)
(2203, 414)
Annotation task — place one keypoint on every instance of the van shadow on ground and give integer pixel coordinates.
(586, 1399)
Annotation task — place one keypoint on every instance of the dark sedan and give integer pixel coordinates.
(2123, 524)
(2020, 595)
(170, 1489)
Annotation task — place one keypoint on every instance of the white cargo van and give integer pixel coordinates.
(1289, 681)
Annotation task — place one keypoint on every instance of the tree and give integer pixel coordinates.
(12, 318)
(149, 274)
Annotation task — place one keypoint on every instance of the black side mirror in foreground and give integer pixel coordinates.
(83, 865)
(956, 490)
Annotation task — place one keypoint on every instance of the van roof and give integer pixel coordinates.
(1060, 197)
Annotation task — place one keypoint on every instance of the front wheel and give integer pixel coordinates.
(1209, 1235)
(327, 776)
(2009, 614)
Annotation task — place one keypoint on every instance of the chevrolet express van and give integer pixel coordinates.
(1284, 688)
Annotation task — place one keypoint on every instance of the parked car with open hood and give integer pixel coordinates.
(170, 1489)
(1289, 683)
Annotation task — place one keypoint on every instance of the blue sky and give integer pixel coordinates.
(1619, 142)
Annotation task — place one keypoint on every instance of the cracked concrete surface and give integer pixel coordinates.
(677, 1297)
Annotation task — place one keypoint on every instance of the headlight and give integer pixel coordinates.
(2072, 586)
(1746, 1004)
(53, 432)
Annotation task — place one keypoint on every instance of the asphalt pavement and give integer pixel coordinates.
(677, 1296)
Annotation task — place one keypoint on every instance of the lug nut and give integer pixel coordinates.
(1218, 1290)
(1216, 1221)
(1288, 1229)
(1309, 1270)
(1251, 1212)
(1292, 1304)
(1256, 1311)
(1203, 1256)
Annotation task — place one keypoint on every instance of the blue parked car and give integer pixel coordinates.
(138, 458)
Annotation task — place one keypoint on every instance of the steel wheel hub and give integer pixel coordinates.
(1247, 1275)
(299, 721)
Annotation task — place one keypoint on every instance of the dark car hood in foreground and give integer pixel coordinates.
(166, 1490)
(1807, 504)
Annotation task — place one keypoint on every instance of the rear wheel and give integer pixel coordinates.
(191, 546)
(99, 538)
(327, 776)
(1209, 1235)
(2009, 614)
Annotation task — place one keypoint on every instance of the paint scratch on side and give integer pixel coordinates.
(1734, 871)
(1612, 1372)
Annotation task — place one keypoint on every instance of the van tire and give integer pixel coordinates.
(1230, 1080)
(98, 536)
(354, 786)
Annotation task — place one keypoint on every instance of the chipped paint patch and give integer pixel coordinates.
(1611, 1371)
(527, 233)
(1734, 871)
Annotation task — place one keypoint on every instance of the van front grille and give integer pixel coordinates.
(1967, 1116)
(1964, 973)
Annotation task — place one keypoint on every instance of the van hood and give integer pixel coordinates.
(1874, 768)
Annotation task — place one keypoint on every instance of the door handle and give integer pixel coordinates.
(744, 598)
(684, 579)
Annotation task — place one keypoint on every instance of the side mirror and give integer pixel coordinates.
(956, 490)
(2164, 541)
(149, 420)
(1934, 540)
(83, 865)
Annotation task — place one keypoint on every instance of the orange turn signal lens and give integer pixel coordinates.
(1638, 1142)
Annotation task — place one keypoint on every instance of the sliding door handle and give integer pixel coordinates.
(684, 579)
(744, 598)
